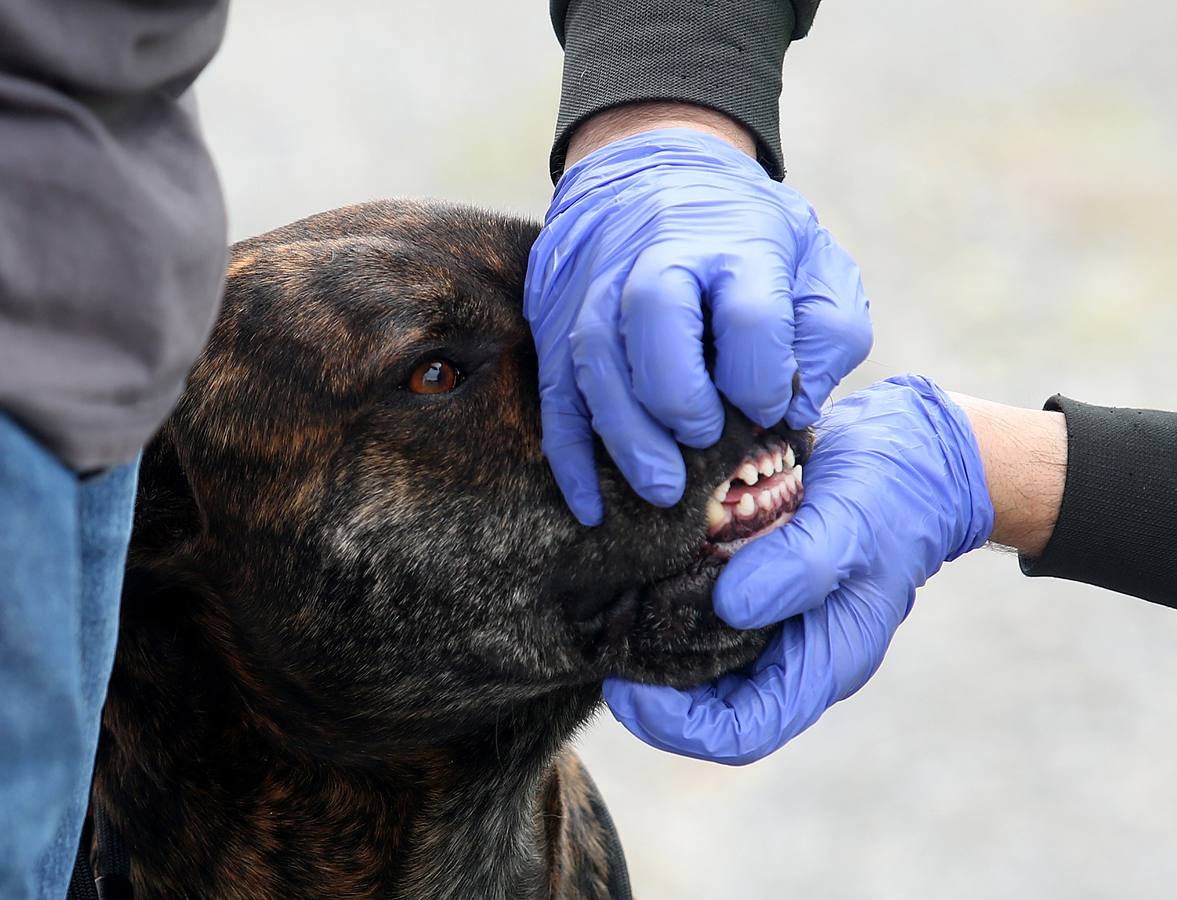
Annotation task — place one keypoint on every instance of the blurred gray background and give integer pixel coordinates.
(1006, 174)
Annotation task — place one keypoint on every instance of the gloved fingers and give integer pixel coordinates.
(664, 717)
(567, 433)
(752, 319)
(643, 450)
(713, 729)
(568, 446)
(833, 327)
(662, 326)
(792, 569)
(814, 661)
(744, 727)
(733, 720)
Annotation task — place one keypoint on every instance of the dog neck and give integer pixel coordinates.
(211, 800)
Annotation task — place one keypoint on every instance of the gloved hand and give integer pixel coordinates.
(894, 488)
(641, 236)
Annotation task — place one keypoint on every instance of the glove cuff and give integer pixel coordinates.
(660, 147)
(971, 522)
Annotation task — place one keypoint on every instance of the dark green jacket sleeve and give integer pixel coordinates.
(723, 55)
(1117, 526)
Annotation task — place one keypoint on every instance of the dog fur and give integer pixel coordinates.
(359, 624)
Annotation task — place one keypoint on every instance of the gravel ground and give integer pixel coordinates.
(1006, 175)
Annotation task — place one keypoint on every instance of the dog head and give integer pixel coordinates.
(353, 493)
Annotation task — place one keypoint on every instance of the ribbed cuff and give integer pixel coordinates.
(1117, 525)
(726, 56)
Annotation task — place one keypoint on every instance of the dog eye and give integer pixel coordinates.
(435, 376)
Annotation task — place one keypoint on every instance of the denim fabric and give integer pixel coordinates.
(63, 543)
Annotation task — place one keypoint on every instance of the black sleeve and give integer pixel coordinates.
(726, 56)
(1117, 526)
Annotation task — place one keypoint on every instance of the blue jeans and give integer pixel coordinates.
(63, 544)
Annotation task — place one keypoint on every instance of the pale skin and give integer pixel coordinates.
(634, 118)
(1024, 451)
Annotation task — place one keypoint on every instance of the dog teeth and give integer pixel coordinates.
(764, 500)
(766, 466)
(748, 474)
(790, 459)
(797, 473)
(720, 493)
(746, 506)
(715, 514)
(777, 464)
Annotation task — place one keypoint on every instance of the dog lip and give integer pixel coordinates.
(607, 607)
(782, 492)
(686, 584)
(764, 494)
(775, 506)
(622, 615)
(728, 547)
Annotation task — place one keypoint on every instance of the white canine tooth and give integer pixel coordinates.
(746, 506)
(715, 513)
(747, 473)
(720, 493)
(764, 500)
(790, 458)
(797, 473)
(766, 466)
(777, 464)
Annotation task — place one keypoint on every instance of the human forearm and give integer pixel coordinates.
(1024, 452)
(634, 118)
(1085, 493)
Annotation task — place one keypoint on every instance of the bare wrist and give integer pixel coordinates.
(633, 118)
(1024, 452)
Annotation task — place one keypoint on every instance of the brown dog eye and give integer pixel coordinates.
(433, 377)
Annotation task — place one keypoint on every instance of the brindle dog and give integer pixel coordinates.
(360, 625)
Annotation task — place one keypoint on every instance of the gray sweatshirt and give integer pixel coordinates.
(112, 229)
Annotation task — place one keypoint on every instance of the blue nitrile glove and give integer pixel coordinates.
(894, 488)
(640, 237)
